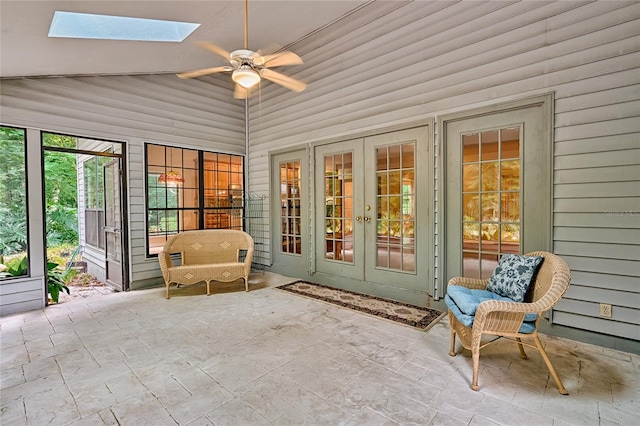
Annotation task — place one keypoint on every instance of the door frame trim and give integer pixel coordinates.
(547, 103)
(124, 207)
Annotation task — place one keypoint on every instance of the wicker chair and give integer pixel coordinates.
(207, 255)
(504, 319)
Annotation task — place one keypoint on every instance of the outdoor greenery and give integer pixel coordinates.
(60, 198)
(13, 204)
(61, 192)
(55, 281)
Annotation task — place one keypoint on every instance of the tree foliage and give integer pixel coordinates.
(60, 191)
(13, 201)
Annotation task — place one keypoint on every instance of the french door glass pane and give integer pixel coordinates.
(490, 199)
(338, 183)
(395, 204)
(290, 212)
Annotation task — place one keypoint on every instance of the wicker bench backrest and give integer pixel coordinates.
(208, 246)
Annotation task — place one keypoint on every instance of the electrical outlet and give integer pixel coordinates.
(605, 310)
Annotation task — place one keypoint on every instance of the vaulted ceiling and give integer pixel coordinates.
(26, 50)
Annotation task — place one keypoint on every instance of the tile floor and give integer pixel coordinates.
(269, 357)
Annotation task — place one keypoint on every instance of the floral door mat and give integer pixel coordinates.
(414, 316)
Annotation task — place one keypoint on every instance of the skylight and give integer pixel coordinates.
(87, 25)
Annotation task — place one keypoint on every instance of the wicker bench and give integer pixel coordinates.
(207, 255)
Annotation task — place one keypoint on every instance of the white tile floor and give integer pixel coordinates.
(271, 357)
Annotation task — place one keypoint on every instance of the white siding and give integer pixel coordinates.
(132, 109)
(394, 63)
(19, 295)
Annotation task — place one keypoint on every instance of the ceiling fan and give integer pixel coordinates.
(247, 67)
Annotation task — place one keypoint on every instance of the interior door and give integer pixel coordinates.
(113, 225)
(372, 210)
(497, 188)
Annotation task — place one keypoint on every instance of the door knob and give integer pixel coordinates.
(367, 219)
(358, 218)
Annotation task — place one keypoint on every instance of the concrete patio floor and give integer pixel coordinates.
(268, 357)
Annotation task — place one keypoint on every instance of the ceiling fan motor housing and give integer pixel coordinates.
(246, 57)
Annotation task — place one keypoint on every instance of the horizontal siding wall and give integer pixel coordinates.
(162, 109)
(394, 62)
(19, 295)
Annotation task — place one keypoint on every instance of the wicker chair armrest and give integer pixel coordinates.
(472, 283)
(489, 306)
(498, 316)
(164, 258)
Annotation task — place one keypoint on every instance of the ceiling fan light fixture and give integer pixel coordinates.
(245, 76)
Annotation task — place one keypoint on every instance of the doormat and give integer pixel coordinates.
(414, 316)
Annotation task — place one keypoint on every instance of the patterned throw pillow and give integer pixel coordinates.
(513, 276)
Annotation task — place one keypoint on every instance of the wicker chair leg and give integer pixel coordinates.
(246, 283)
(208, 288)
(523, 355)
(552, 370)
(166, 296)
(475, 355)
(452, 350)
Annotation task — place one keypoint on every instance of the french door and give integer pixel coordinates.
(497, 187)
(290, 213)
(371, 209)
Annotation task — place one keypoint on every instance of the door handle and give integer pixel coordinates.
(358, 218)
(367, 219)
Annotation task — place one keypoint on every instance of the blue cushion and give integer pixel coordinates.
(463, 303)
(468, 300)
(514, 275)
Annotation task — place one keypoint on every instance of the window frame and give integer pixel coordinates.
(210, 213)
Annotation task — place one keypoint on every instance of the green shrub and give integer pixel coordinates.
(55, 284)
(16, 267)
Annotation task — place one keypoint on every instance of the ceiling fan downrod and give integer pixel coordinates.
(246, 24)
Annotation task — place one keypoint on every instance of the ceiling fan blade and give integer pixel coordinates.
(215, 49)
(283, 80)
(281, 59)
(205, 71)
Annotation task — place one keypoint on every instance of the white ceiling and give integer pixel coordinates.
(25, 49)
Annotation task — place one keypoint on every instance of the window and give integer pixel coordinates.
(94, 201)
(191, 189)
(13, 204)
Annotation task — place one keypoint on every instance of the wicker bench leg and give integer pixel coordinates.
(552, 370)
(523, 355)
